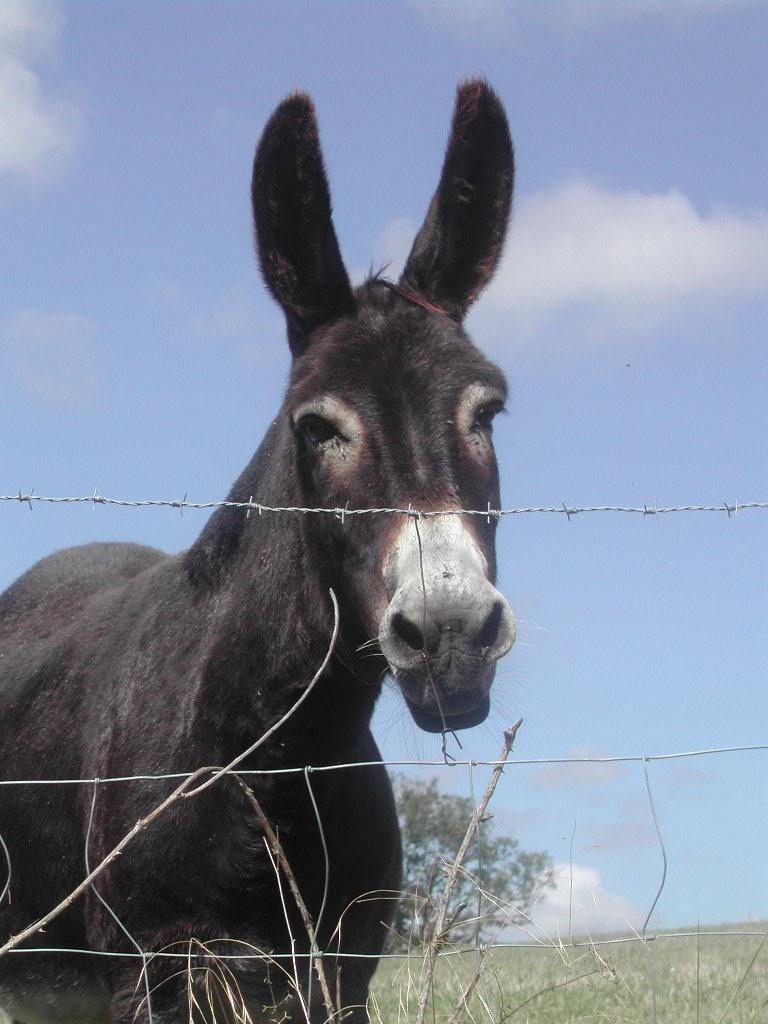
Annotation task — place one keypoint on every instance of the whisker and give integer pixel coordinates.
(373, 642)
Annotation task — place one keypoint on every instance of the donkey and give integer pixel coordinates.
(118, 660)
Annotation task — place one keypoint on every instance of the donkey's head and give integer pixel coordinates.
(391, 406)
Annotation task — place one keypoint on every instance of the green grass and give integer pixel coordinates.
(697, 980)
(712, 979)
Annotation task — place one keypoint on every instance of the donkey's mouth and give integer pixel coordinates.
(430, 722)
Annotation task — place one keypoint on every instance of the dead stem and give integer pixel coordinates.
(439, 931)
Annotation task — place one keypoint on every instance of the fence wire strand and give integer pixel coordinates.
(29, 498)
(473, 762)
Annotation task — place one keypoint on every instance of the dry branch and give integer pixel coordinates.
(277, 852)
(439, 930)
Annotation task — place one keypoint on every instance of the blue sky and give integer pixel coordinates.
(140, 356)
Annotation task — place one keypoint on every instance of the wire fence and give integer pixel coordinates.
(30, 499)
(529, 938)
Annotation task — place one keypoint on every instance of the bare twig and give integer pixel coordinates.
(466, 995)
(279, 855)
(438, 931)
(182, 791)
(485, 952)
(296, 981)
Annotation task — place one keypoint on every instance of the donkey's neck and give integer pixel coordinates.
(269, 623)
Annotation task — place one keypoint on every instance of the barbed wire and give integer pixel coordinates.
(30, 498)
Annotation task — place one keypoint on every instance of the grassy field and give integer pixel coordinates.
(697, 980)
(711, 979)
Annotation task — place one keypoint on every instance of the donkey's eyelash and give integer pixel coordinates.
(486, 414)
(317, 430)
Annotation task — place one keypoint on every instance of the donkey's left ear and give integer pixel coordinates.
(295, 240)
(460, 243)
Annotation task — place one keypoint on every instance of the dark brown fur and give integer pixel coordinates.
(117, 660)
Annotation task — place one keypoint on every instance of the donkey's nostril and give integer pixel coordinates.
(489, 631)
(408, 631)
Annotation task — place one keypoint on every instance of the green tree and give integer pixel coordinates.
(496, 886)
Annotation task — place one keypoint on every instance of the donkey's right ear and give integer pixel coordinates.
(296, 244)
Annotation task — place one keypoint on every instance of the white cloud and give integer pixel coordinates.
(617, 263)
(487, 18)
(39, 126)
(51, 357)
(588, 11)
(494, 19)
(605, 265)
(580, 905)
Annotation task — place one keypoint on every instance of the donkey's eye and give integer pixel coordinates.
(317, 430)
(486, 414)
